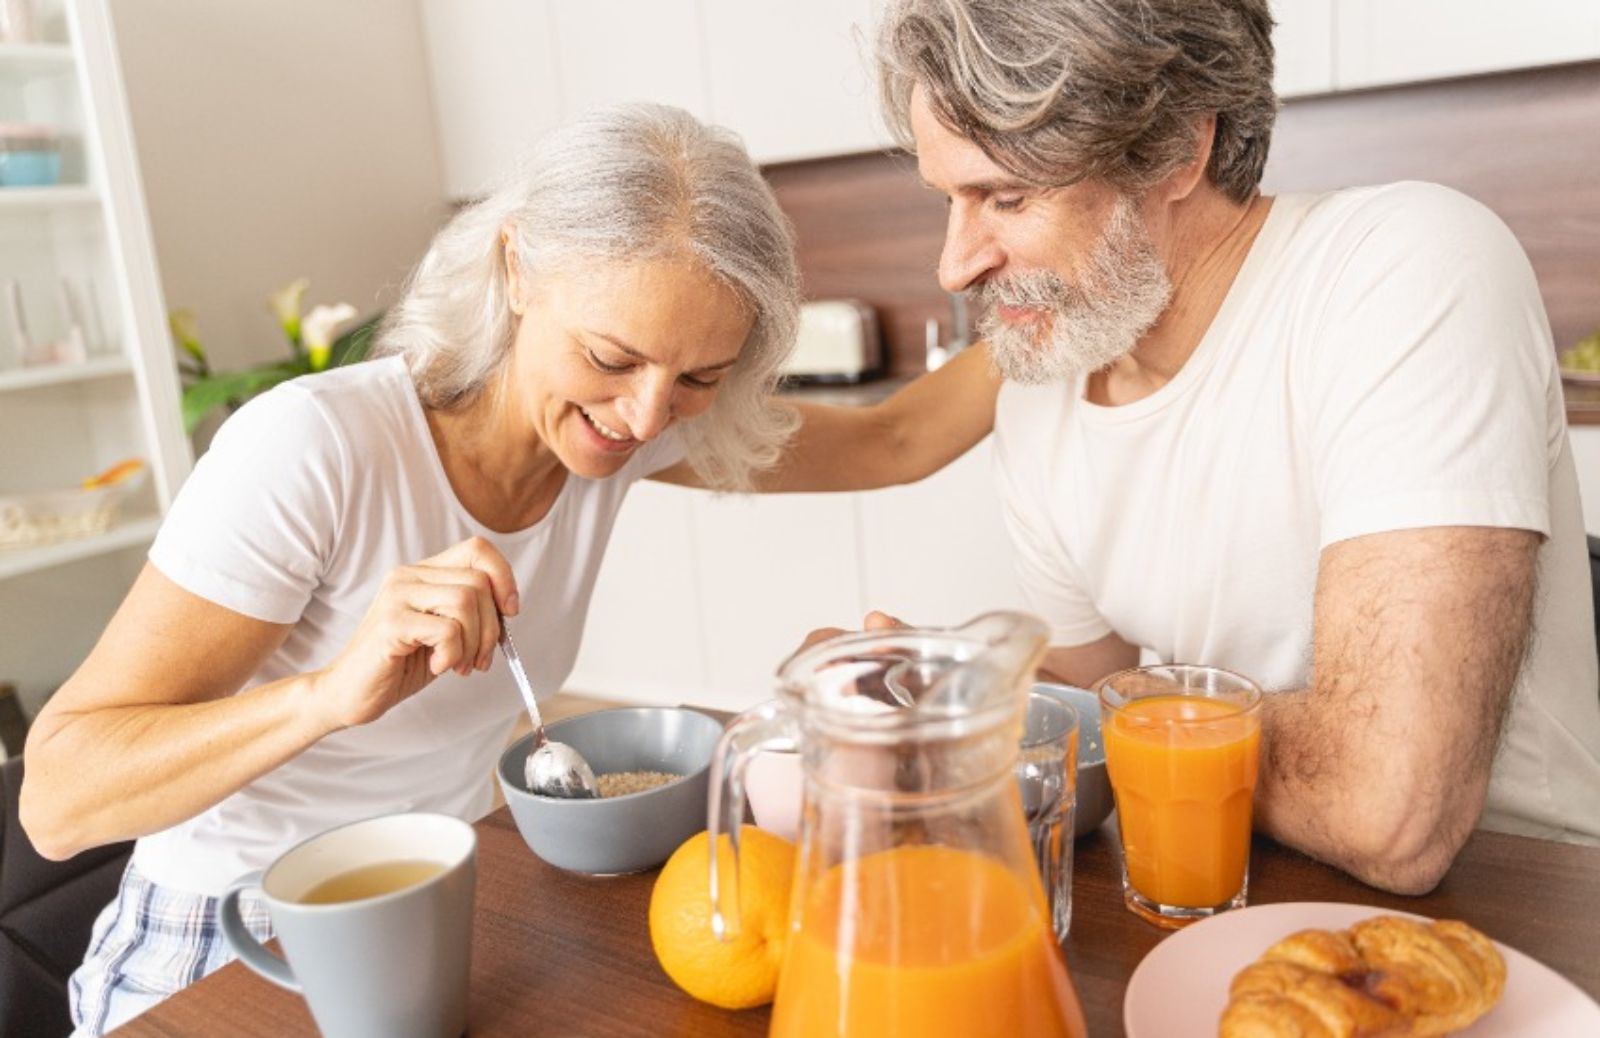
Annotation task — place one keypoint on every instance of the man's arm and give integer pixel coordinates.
(1083, 665)
(1381, 767)
(910, 436)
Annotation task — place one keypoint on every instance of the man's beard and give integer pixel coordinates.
(1081, 327)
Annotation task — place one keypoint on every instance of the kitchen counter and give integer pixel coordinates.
(859, 394)
(1583, 403)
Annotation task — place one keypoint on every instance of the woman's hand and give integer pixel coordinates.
(440, 614)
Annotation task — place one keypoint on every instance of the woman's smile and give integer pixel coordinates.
(603, 436)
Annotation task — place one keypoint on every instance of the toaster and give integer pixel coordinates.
(838, 342)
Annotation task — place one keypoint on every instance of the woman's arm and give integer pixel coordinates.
(152, 730)
(909, 436)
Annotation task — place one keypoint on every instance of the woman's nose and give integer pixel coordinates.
(970, 251)
(648, 408)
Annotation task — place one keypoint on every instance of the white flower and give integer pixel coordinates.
(285, 303)
(318, 329)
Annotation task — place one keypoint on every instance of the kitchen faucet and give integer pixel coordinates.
(937, 354)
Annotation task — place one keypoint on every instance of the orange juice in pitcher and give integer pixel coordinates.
(924, 941)
(917, 910)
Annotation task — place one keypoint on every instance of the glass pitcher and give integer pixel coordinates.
(917, 909)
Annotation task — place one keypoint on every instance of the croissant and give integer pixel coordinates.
(1385, 977)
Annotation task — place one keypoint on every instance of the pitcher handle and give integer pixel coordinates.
(768, 726)
(250, 951)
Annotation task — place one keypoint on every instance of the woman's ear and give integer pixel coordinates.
(516, 289)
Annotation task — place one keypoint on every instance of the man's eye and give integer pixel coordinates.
(1007, 203)
(698, 383)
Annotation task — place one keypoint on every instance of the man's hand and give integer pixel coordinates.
(874, 621)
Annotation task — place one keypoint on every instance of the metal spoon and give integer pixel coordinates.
(554, 769)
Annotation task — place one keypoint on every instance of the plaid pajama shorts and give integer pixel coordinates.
(146, 945)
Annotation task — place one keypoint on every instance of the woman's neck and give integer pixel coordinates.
(500, 470)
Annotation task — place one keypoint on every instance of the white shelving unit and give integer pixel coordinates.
(45, 199)
(62, 422)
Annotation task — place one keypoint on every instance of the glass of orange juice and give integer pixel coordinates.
(1182, 743)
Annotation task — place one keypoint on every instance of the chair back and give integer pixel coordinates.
(1594, 580)
(47, 909)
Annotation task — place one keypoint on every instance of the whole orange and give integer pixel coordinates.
(742, 971)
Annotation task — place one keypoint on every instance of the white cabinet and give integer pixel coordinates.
(772, 569)
(63, 421)
(703, 596)
(936, 552)
(795, 80)
(496, 85)
(1393, 41)
(643, 638)
(1302, 43)
(621, 50)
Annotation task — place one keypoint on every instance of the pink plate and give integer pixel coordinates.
(1181, 987)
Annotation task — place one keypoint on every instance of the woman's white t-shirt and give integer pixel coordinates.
(310, 495)
(1381, 362)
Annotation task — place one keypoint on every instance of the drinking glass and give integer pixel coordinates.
(1181, 744)
(1047, 774)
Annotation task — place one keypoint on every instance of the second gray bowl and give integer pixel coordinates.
(618, 834)
(1094, 788)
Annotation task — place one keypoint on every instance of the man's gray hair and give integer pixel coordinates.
(625, 183)
(1059, 91)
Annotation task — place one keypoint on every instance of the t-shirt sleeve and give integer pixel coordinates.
(1052, 584)
(252, 529)
(1429, 375)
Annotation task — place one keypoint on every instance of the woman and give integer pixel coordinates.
(617, 312)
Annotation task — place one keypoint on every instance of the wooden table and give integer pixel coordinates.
(563, 955)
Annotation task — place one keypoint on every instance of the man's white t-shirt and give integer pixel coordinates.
(1382, 362)
(310, 495)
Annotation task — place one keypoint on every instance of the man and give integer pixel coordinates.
(1318, 440)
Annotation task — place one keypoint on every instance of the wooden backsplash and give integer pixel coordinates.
(1527, 144)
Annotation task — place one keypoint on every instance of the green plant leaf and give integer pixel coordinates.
(233, 388)
(351, 346)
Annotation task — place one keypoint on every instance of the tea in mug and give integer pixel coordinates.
(371, 881)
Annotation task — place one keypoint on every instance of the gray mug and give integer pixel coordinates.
(394, 965)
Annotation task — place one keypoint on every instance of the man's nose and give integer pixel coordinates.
(648, 408)
(970, 251)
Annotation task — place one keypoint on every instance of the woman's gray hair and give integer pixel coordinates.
(1059, 91)
(631, 182)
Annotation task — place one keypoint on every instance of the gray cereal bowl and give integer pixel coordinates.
(1094, 788)
(620, 834)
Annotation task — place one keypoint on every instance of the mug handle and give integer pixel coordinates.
(251, 951)
(769, 726)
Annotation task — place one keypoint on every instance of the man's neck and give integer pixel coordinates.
(1210, 239)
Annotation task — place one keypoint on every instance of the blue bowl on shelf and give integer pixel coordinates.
(30, 168)
(30, 155)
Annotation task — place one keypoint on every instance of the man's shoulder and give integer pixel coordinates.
(1409, 214)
